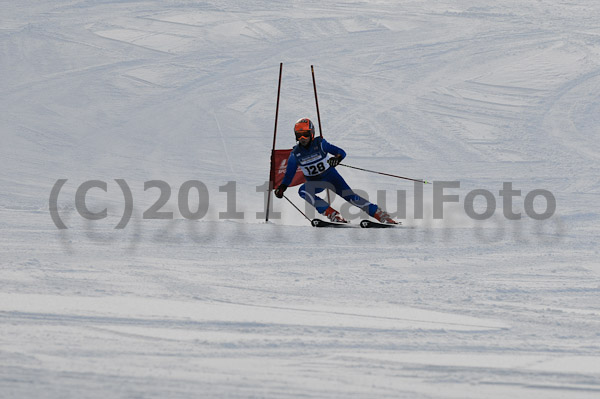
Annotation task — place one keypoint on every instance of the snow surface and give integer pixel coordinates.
(482, 92)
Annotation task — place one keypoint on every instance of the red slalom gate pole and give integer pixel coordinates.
(271, 177)
(312, 70)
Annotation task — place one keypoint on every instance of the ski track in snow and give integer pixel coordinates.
(481, 92)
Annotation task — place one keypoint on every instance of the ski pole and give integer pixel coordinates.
(298, 209)
(386, 174)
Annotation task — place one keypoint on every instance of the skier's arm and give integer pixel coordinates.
(290, 170)
(333, 150)
(337, 152)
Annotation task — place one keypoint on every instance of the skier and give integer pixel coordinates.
(318, 159)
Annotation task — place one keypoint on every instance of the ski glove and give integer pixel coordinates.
(334, 161)
(279, 190)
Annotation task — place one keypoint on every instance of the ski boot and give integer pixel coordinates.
(383, 217)
(334, 215)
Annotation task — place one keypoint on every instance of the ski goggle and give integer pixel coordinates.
(305, 134)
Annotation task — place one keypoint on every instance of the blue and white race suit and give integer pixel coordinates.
(319, 175)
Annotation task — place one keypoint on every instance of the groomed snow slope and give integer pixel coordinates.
(480, 92)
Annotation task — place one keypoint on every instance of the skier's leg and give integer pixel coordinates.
(308, 191)
(343, 189)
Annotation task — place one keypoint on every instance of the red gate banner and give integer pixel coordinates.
(279, 159)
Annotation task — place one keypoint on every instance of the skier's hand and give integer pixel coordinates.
(279, 190)
(334, 161)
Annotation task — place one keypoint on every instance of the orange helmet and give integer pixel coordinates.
(304, 128)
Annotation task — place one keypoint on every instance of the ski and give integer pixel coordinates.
(324, 223)
(365, 224)
(368, 224)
